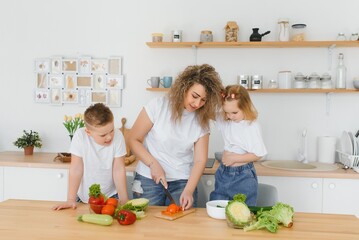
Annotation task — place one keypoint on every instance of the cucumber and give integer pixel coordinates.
(100, 219)
(255, 209)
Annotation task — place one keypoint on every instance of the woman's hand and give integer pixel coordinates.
(186, 200)
(157, 173)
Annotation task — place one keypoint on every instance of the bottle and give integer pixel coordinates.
(341, 72)
(283, 30)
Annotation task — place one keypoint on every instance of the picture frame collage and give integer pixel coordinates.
(84, 80)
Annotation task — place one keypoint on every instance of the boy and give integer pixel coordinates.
(97, 156)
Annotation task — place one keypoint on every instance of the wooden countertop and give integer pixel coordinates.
(45, 160)
(33, 220)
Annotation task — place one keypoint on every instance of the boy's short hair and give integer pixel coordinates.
(97, 115)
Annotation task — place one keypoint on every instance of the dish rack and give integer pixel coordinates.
(348, 160)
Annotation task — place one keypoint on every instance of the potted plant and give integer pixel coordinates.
(28, 141)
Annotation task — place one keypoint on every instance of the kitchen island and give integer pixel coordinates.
(33, 220)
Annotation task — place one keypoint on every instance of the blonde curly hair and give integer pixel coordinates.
(206, 76)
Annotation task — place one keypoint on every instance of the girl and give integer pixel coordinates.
(243, 144)
(170, 137)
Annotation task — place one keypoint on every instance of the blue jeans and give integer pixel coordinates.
(156, 194)
(232, 180)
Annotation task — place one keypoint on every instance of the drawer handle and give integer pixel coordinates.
(315, 185)
(60, 175)
(332, 186)
(209, 183)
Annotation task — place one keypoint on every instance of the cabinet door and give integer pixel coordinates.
(205, 187)
(341, 196)
(303, 194)
(1, 184)
(35, 183)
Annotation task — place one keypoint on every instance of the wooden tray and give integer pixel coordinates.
(176, 215)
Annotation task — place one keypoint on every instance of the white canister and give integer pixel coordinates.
(177, 36)
(285, 79)
(326, 149)
(257, 82)
(244, 81)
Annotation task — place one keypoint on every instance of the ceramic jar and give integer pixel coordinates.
(314, 81)
(300, 81)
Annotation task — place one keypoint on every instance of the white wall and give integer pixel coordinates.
(41, 28)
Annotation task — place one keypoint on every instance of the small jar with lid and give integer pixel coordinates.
(354, 37)
(326, 81)
(298, 32)
(314, 81)
(300, 81)
(206, 36)
(157, 37)
(341, 37)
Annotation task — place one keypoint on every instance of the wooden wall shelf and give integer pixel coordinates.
(273, 44)
(292, 90)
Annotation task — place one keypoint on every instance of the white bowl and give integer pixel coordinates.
(217, 209)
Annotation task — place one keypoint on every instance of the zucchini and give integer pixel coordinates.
(255, 209)
(100, 219)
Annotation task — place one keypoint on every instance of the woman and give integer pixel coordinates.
(170, 137)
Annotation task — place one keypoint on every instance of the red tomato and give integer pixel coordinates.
(173, 208)
(112, 201)
(108, 209)
(96, 204)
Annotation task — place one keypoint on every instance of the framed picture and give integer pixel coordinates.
(69, 65)
(84, 81)
(42, 96)
(99, 65)
(84, 65)
(114, 97)
(41, 80)
(70, 81)
(115, 65)
(42, 65)
(99, 97)
(56, 65)
(70, 96)
(99, 81)
(84, 97)
(55, 94)
(115, 81)
(56, 80)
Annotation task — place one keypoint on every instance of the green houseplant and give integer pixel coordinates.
(28, 141)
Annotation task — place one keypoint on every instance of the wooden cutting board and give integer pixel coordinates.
(176, 215)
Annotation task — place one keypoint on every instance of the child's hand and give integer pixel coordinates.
(65, 205)
(229, 158)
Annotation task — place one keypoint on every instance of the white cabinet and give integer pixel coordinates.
(322, 195)
(35, 183)
(340, 196)
(1, 184)
(205, 187)
(303, 194)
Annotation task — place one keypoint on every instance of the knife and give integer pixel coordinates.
(168, 194)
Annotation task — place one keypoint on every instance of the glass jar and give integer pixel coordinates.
(283, 35)
(272, 84)
(326, 81)
(300, 81)
(298, 32)
(206, 36)
(157, 37)
(354, 37)
(314, 81)
(341, 37)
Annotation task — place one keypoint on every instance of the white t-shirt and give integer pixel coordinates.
(97, 161)
(172, 144)
(241, 137)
